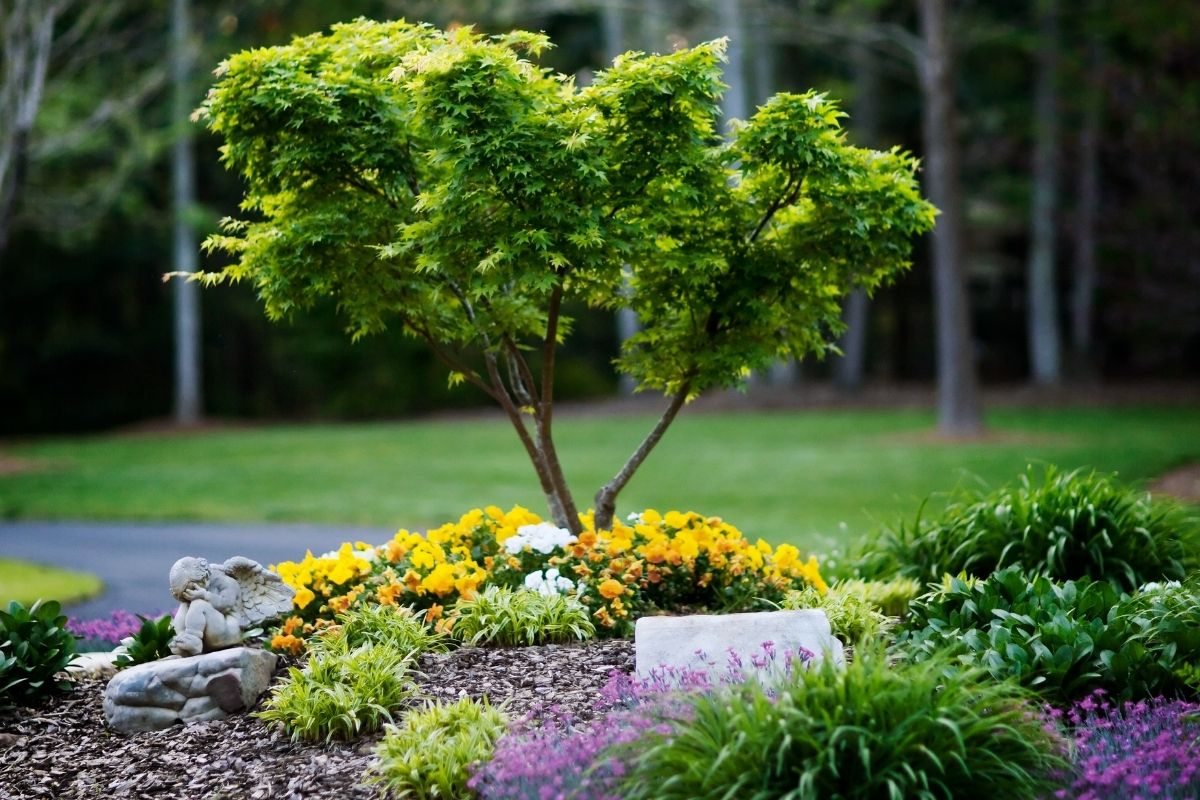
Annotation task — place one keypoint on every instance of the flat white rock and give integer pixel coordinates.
(711, 643)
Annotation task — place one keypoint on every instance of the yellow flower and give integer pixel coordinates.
(674, 519)
(651, 517)
(440, 581)
(303, 597)
(610, 589)
(412, 580)
(786, 556)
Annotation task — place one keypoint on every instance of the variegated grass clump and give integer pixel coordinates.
(511, 617)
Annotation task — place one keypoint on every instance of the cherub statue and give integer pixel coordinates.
(218, 602)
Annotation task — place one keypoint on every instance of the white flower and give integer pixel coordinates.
(543, 537)
(550, 583)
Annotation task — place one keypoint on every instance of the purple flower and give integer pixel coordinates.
(105, 634)
(1144, 749)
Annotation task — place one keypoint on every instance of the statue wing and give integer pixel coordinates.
(262, 594)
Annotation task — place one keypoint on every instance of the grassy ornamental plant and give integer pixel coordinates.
(35, 646)
(444, 184)
(431, 752)
(342, 692)
(1065, 525)
(510, 617)
(870, 730)
(852, 617)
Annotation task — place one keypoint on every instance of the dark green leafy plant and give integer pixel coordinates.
(151, 642)
(870, 730)
(511, 617)
(430, 753)
(1065, 525)
(1062, 639)
(35, 646)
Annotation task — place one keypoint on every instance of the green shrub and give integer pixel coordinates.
(35, 646)
(151, 642)
(508, 617)
(890, 597)
(431, 752)
(1063, 525)
(398, 628)
(852, 618)
(870, 730)
(1062, 639)
(342, 692)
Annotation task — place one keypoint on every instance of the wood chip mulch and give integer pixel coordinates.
(64, 750)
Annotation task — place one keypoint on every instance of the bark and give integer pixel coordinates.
(864, 119)
(1087, 212)
(27, 36)
(959, 408)
(188, 390)
(1045, 356)
(606, 498)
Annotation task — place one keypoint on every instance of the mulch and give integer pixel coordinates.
(64, 749)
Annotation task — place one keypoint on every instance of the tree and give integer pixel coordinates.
(443, 182)
(1045, 348)
(183, 185)
(959, 410)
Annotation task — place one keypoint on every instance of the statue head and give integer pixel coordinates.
(188, 570)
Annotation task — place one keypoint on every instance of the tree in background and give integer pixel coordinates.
(959, 409)
(442, 182)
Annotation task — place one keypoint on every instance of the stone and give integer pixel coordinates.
(154, 696)
(94, 665)
(707, 643)
(219, 602)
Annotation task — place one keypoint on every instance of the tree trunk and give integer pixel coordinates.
(1045, 358)
(959, 408)
(864, 120)
(1086, 213)
(183, 181)
(27, 35)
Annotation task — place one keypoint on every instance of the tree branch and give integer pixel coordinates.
(789, 195)
(606, 498)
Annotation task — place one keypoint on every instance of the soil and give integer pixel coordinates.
(64, 749)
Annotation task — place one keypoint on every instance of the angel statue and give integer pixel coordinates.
(218, 602)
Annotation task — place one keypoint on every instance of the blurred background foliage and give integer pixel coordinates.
(86, 321)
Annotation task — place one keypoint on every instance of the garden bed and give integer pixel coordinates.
(64, 750)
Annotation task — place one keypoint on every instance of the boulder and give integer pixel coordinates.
(153, 696)
(713, 643)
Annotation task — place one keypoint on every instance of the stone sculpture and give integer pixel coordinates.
(220, 601)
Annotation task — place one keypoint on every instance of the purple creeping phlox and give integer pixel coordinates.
(1133, 751)
(105, 634)
(549, 755)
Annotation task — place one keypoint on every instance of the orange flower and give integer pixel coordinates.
(587, 538)
(434, 612)
(610, 589)
(287, 644)
(290, 625)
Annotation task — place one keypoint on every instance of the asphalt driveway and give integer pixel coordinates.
(134, 558)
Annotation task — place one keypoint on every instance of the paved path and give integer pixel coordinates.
(134, 558)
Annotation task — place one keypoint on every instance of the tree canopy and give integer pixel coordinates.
(444, 183)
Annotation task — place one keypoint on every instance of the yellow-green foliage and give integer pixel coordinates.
(430, 753)
(890, 597)
(851, 617)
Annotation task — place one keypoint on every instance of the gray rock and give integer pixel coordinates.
(150, 697)
(708, 644)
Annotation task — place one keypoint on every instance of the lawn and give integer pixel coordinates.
(815, 478)
(25, 582)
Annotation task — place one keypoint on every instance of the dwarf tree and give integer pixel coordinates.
(443, 183)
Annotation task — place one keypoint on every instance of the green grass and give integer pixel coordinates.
(25, 583)
(815, 478)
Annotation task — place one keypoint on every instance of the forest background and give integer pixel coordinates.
(1074, 123)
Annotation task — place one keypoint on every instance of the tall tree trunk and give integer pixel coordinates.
(1045, 350)
(864, 120)
(27, 37)
(959, 409)
(187, 300)
(1083, 296)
